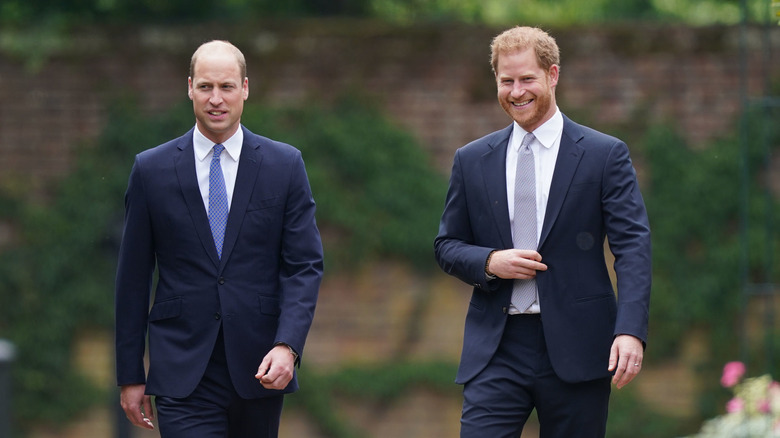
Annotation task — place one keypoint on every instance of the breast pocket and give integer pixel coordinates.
(265, 203)
(585, 186)
(263, 221)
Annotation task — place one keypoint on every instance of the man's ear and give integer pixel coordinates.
(553, 74)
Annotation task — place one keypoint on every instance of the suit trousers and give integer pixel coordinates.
(215, 410)
(519, 378)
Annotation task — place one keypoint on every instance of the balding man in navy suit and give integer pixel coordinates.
(227, 219)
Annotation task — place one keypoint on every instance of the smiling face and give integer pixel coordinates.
(218, 91)
(526, 91)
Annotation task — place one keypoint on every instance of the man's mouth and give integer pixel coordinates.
(522, 104)
(216, 113)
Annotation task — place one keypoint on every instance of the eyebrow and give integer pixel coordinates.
(206, 81)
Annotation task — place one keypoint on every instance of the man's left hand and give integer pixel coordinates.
(625, 359)
(276, 370)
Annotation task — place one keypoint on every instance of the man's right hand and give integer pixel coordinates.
(137, 405)
(516, 263)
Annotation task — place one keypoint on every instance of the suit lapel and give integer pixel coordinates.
(248, 170)
(494, 174)
(569, 156)
(184, 163)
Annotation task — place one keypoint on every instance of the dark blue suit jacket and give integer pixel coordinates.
(594, 194)
(262, 291)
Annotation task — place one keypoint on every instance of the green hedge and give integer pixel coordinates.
(377, 192)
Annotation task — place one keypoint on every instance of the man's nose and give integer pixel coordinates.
(216, 97)
(518, 89)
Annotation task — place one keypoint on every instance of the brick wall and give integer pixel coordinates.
(434, 80)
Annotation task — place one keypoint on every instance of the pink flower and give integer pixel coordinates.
(734, 405)
(764, 407)
(732, 372)
(774, 389)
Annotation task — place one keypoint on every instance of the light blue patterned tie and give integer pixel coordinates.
(218, 203)
(524, 233)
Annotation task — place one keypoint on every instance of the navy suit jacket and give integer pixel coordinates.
(594, 193)
(262, 291)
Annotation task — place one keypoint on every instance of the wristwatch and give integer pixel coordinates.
(489, 275)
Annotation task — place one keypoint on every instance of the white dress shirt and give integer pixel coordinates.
(204, 149)
(545, 148)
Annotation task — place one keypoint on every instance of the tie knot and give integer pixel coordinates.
(527, 140)
(218, 148)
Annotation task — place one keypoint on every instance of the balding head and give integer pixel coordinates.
(217, 47)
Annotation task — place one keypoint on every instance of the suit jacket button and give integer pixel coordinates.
(217, 315)
(221, 280)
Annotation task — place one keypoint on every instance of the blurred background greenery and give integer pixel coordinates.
(18, 13)
(712, 210)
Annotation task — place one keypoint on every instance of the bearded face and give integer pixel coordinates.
(526, 91)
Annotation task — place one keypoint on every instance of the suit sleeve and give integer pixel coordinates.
(628, 233)
(454, 246)
(133, 282)
(302, 261)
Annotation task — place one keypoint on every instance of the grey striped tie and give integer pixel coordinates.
(524, 234)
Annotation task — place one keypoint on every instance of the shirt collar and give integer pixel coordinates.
(203, 146)
(546, 134)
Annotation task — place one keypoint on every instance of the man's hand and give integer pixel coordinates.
(516, 263)
(625, 358)
(276, 370)
(137, 405)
